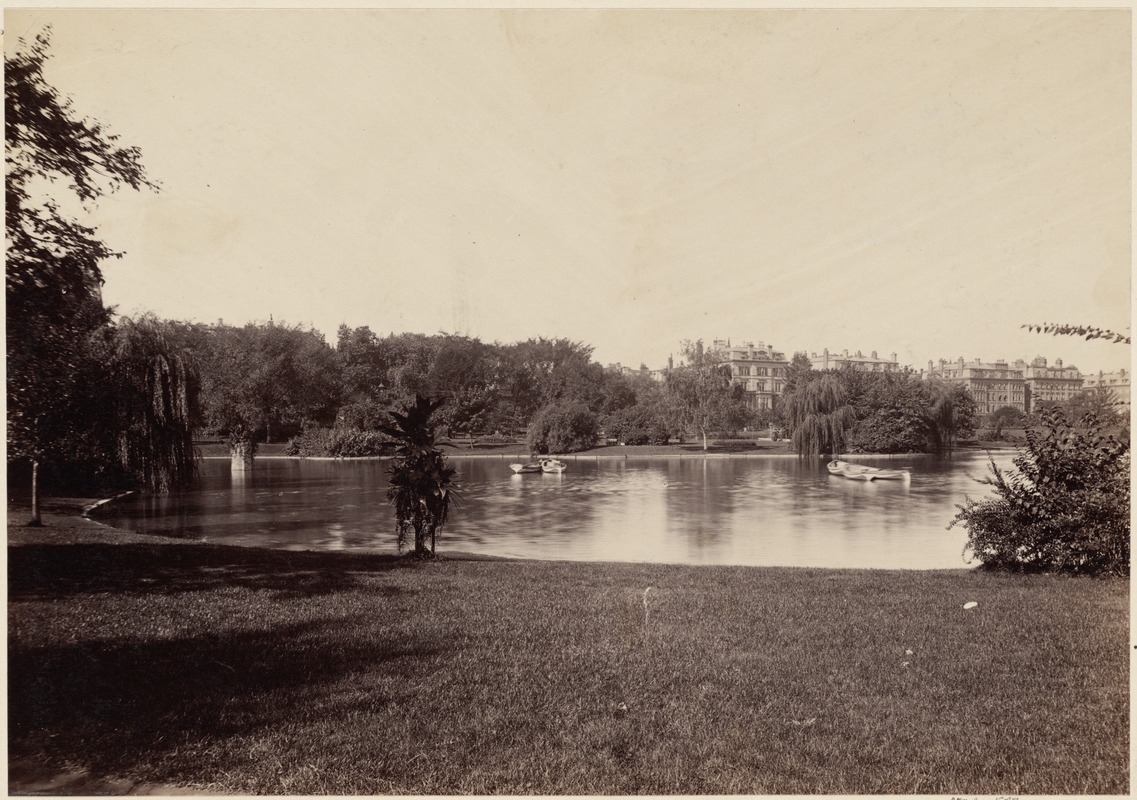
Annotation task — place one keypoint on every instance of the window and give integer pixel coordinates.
(744, 370)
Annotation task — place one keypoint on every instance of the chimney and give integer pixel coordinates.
(874, 355)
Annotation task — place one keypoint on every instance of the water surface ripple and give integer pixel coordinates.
(758, 511)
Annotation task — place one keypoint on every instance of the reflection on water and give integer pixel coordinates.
(776, 511)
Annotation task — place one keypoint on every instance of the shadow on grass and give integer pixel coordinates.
(47, 571)
(110, 705)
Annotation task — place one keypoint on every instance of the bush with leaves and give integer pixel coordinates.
(339, 442)
(563, 429)
(1064, 508)
(637, 425)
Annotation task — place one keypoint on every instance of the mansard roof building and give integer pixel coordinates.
(993, 385)
(857, 360)
(1117, 382)
(1054, 383)
(760, 371)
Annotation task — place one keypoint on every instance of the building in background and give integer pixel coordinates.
(760, 371)
(858, 360)
(1117, 382)
(993, 385)
(1045, 383)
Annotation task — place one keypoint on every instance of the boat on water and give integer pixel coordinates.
(859, 472)
(541, 465)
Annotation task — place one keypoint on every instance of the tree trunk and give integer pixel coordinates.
(704, 432)
(35, 521)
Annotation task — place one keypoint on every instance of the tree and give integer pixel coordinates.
(637, 425)
(952, 414)
(563, 428)
(52, 274)
(818, 415)
(1064, 507)
(702, 395)
(422, 484)
(461, 372)
(155, 404)
(541, 372)
(261, 377)
(1099, 401)
(798, 370)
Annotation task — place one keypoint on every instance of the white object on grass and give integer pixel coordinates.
(970, 604)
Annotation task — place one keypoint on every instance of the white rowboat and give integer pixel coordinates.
(859, 472)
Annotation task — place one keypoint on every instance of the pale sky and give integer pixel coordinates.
(919, 181)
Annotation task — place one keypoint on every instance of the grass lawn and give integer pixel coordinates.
(246, 670)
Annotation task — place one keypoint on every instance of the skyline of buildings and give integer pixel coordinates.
(761, 371)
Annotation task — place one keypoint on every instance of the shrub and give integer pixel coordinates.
(637, 425)
(1064, 508)
(890, 430)
(562, 429)
(339, 443)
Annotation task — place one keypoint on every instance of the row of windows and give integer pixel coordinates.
(759, 371)
(763, 386)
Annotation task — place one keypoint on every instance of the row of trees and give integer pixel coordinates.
(874, 412)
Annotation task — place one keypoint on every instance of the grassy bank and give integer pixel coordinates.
(247, 670)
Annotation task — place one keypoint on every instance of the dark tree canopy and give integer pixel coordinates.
(52, 272)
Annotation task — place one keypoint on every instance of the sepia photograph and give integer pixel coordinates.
(565, 400)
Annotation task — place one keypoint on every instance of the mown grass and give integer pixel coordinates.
(247, 670)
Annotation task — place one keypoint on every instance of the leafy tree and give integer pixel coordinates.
(893, 412)
(818, 415)
(1100, 401)
(1000, 418)
(422, 483)
(1064, 507)
(637, 425)
(155, 404)
(462, 373)
(52, 274)
(262, 377)
(541, 372)
(952, 414)
(702, 394)
(798, 370)
(564, 428)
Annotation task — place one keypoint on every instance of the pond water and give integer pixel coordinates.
(757, 511)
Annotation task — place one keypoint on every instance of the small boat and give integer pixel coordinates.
(552, 465)
(860, 472)
(520, 469)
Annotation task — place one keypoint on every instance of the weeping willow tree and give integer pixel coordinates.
(818, 416)
(156, 406)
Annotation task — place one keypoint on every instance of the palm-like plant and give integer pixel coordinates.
(422, 484)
